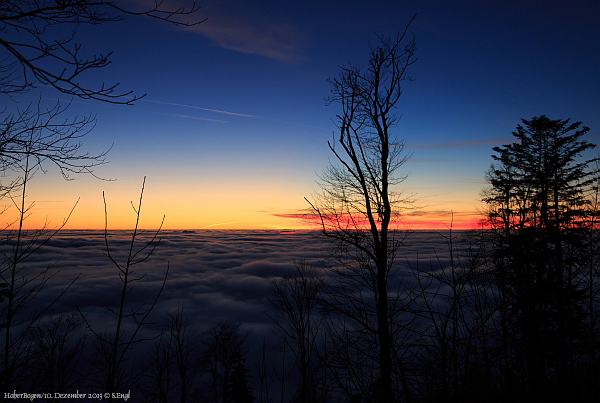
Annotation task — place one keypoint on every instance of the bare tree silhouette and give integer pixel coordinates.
(38, 39)
(185, 349)
(173, 370)
(58, 345)
(455, 310)
(30, 141)
(265, 376)
(39, 46)
(224, 361)
(294, 301)
(114, 346)
(38, 137)
(359, 201)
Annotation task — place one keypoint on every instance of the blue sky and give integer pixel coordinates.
(234, 127)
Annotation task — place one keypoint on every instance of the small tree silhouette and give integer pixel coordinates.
(58, 345)
(294, 301)
(113, 347)
(173, 369)
(225, 364)
(185, 348)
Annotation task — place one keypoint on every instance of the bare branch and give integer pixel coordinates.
(38, 51)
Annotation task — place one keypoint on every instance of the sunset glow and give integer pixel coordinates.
(233, 131)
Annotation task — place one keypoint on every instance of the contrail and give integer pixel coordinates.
(198, 107)
(194, 117)
(244, 115)
(221, 223)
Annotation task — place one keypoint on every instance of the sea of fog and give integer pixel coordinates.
(215, 276)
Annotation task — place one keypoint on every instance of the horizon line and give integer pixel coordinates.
(223, 229)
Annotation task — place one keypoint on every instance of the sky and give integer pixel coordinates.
(232, 132)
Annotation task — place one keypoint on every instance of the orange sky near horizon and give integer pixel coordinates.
(124, 220)
(234, 130)
(208, 206)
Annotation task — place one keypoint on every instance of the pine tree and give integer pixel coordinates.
(225, 362)
(239, 388)
(537, 199)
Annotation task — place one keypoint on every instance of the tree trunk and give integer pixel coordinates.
(385, 343)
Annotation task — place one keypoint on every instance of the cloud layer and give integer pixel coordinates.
(216, 276)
